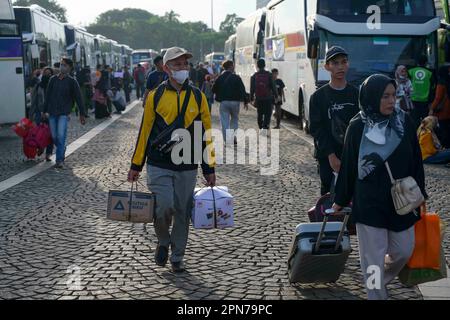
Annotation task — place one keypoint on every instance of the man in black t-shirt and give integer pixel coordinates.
(331, 109)
(281, 97)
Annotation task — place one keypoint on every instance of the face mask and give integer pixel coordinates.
(64, 69)
(180, 76)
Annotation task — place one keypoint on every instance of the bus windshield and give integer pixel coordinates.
(392, 7)
(369, 55)
(23, 16)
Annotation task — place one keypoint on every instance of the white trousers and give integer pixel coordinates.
(383, 255)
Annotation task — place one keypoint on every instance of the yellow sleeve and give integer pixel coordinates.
(206, 120)
(148, 120)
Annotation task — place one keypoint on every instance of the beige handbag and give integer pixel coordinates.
(406, 194)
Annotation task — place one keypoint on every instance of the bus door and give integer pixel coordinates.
(12, 82)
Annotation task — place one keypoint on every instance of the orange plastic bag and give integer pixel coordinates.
(427, 251)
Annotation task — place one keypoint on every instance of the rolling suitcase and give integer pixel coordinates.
(319, 251)
(317, 213)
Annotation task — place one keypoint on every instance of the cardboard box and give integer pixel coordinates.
(210, 214)
(141, 211)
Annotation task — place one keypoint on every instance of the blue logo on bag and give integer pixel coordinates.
(119, 206)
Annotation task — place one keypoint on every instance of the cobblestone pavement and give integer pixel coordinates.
(57, 230)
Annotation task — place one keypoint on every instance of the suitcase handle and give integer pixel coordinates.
(328, 213)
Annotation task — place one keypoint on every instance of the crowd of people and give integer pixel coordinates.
(387, 128)
(59, 91)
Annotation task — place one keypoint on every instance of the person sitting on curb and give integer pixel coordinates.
(432, 151)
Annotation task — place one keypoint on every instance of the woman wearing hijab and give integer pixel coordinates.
(100, 96)
(441, 106)
(404, 89)
(432, 151)
(380, 132)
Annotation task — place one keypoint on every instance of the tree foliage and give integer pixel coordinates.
(141, 29)
(51, 5)
(230, 23)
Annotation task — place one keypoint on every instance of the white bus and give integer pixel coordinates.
(6, 10)
(43, 36)
(216, 58)
(116, 56)
(298, 33)
(12, 82)
(230, 48)
(80, 47)
(102, 50)
(127, 58)
(144, 55)
(249, 45)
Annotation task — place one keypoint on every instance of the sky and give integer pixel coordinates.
(84, 12)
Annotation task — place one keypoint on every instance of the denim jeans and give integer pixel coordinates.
(442, 157)
(229, 118)
(58, 127)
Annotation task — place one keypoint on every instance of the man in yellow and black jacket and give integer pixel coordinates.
(173, 183)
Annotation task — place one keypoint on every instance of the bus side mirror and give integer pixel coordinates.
(255, 56)
(313, 44)
(34, 48)
(77, 53)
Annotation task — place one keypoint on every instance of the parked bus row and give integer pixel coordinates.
(46, 40)
(43, 42)
(293, 36)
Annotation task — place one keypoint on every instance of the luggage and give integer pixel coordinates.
(319, 251)
(317, 213)
(131, 206)
(39, 137)
(213, 208)
(23, 127)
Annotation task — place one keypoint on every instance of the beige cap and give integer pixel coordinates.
(175, 52)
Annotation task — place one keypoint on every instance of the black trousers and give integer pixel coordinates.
(419, 112)
(264, 108)
(127, 93)
(444, 133)
(326, 175)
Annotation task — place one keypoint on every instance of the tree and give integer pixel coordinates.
(121, 16)
(141, 29)
(228, 26)
(171, 16)
(51, 5)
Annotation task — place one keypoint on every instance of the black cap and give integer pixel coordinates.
(334, 52)
(157, 59)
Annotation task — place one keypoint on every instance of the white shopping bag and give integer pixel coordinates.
(213, 208)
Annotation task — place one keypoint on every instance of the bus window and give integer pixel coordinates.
(8, 29)
(23, 16)
(369, 55)
(286, 16)
(422, 8)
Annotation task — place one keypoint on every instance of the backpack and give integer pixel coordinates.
(141, 76)
(262, 85)
(162, 87)
(38, 137)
